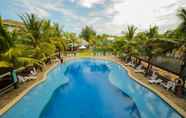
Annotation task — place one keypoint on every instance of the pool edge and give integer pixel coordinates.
(19, 97)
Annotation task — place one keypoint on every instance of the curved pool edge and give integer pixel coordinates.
(178, 109)
(162, 96)
(19, 97)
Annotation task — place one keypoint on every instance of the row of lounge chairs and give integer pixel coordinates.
(31, 76)
(154, 78)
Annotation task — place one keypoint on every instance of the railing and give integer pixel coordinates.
(88, 53)
(11, 85)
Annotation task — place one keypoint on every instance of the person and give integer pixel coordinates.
(61, 59)
(14, 78)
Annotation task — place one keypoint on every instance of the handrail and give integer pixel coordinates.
(22, 68)
(4, 75)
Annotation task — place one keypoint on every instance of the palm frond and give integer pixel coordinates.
(5, 64)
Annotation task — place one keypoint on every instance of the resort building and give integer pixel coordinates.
(12, 24)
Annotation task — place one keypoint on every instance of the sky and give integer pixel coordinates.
(105, 16)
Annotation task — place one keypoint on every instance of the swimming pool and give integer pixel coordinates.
(89, 88)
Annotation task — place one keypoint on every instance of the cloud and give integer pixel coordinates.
(90, 3)
(31, 7)
(106, 16)
(144, 13)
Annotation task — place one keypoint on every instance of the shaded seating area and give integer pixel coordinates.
(28, 74)
(24, 74)
(157, 75)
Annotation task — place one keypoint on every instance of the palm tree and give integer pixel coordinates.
(156, 47)
(88, 34)
(57, 39)
(118, 45)
(32, 29)
(182, 28)
(152, 32)
(129, 41)
(12, 53)
(42, 34)
(130, 34)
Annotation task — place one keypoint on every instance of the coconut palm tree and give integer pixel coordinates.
(12, 53)
(129, 41)
(32, 29)
(41, 34)
(57, 39)
(152, 32)
(182, 28)
(130, 34)
(156, 47)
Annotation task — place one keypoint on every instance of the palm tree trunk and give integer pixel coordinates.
(183, 74)
(149, 65)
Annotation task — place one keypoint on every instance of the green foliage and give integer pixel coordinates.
(152, 32)
(130, 34)
(88, 34)
(38, 39)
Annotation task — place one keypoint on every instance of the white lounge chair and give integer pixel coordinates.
(173, 86)
(33, 72)
(155, 81)
(130, 64)
(167, 85)
(154, 76)
(21, 79)
(30, 77)
(139, 69)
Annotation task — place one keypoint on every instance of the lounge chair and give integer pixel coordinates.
(130, 64)
(140, 69)
(155, 81)
(21, 79)
(168, 85)
(33, 72)
(30, 77)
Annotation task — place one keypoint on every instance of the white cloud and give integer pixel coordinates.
(113, 16)
(143, 13)
(90, 3)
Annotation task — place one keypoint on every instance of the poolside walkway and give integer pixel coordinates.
(9, 99)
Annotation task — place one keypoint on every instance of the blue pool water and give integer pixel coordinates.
(89, 88)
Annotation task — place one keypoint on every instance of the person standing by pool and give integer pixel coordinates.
(14, 77)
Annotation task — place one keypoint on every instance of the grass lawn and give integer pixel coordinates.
(85, 53)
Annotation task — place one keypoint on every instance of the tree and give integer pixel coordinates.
(182, 41)
(182, 26)
(42, 33)
(152, 32)
(88, 34)
(33, 28)
(130, 34)
(129, 41)
(156, 47)
(12, 53)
